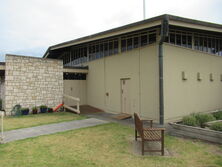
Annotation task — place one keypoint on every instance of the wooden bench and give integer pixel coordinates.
(149, 134)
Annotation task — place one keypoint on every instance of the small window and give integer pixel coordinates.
(220, 49)
(201, 44)
(136, 42)
(209, 41)
(213, 49)
(111, 48)
(172, 38)
(189, 41)
(184, 40)
(97, 52)
(196, 43)
(129, 43)
(205, 44)
(101, 50)
(106, 49)
(178, 39)
(123, 45)
(143, 39)
(217, 47)
(152, 38)
(116, 47)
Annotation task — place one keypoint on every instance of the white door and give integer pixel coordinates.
(125, 96)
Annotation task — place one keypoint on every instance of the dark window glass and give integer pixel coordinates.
(85, 52)
(178, 39)
(167, 39)
(106, 49)
(196, 43)
(143, 39)
(189, 41)
(205, 44)
(97, 51)
(152, 38)
(116, 47)
(101, 50)
(72, 55)
(213, 50)
(129, 43)
(77, 56)
(136, 42)
(172, 38)
(90, 52)
(184, 40)
(217, 47)
(123, 45)
(201, 43)
(111, 48)
(209, 41)
(220, 49)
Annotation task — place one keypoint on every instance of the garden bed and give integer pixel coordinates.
(203, 126)
(181, 130)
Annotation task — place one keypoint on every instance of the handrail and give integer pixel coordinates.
(76, 99)
(71, 97)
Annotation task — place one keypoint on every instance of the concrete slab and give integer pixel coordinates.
(50, 129)
(136, 148)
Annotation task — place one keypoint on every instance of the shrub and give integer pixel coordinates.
(216, 126)
(203, 118)
(218, 115)
(43, 106)
(34, 108)
(190, 120)
(24, 109)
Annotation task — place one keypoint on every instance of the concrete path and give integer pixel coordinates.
(50, 129)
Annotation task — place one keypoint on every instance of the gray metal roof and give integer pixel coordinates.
(171, 17)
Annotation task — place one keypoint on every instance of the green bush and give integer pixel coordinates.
(23, 109)
(218, 115)
(216, 126)
(43, 106)
(190, 120)
(203, 118)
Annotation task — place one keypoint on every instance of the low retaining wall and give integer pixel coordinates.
(195, 133)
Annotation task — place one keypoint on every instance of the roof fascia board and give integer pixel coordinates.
(194, 26)
(106, 35)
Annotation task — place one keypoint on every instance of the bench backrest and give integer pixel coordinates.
(138, 125)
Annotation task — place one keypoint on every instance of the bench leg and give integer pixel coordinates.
(142, 147)
(162, 143)
(135, 134)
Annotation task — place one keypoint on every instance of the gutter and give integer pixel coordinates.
(163, 34)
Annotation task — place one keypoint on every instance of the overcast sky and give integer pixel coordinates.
(29, 27)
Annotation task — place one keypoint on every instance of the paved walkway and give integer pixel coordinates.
(50, 129)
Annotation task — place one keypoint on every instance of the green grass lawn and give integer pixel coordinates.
(12, 122)
(108, 145)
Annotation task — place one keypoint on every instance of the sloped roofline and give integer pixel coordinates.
(150, 20)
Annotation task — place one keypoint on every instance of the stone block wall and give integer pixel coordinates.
(2, 90)
(32, 82)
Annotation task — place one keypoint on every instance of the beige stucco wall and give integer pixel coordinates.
(141, 66)
(75, 88)
(182, 97)
(33, 82)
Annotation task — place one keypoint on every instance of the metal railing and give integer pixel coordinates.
(75, 99)
(2, 133)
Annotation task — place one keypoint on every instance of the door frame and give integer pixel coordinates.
(121, 80)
